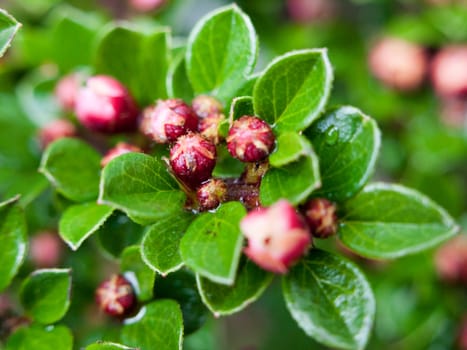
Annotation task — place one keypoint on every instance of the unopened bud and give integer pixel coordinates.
(116, 296)
(449, 71)
(320, 215)
(118, 150)
(211, 194)
(46, 249)
(205, 105)
(55, 130)
(209, 127)
(67, 89)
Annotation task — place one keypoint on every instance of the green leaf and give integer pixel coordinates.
(221, 53)
(45, 294)
(294, 182)
(226, 165)
(290, 147)
(347, 143)
(161, 242)
(28, 184)
(80, 221)
(140, 186)
(331, 300)
(73, 168)
(8, 28)
(389, 221)
(241, 106)
(13, 240)
(250, 283)
(213, 242)
(117, 233)
(178, 85)
(136, 271)
(108, 346)
(294, 89)
(41, 338)
(142, 63)
(181, 287)
(159, 325)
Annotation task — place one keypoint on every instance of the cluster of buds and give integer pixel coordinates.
(116, 297)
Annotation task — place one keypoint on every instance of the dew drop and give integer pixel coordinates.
(332, 135)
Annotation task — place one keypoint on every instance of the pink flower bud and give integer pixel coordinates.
(209, 127)
(46, 249)
(205, 105)
(305, 11)
(147, 5)
(192, 159)
(168, 120)
(211, 194)
(451, 260)
(118, 150)
(250, 139)
(67, 89)
(277, 236)
(55, 130)
(449, 71)
(105, 105)
(116, 296)
(320, 215)
(398, 63)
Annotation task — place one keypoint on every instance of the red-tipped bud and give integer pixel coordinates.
(305, 11)
(192, 159)
(277, 236)
(46, 249)
(118, 150)
(205, 105)
(55, 130)
(67, 89)
(250, 139)
(449, 71)
(116, 296)
(209, 127)
(105, 105)
(451, 260)
(211, 194)
(168, 120)
(398, 63)
(147, 5)
(320, 215)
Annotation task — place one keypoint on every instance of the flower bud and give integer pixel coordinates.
(453, 112)
(304, 11)
(55, 130)
(449, 71)
(250, 139)
(147, 5)
(192, 159)
(118, 150)
(116, 296)
(209, 127)
(168, 120)
(205, 105)
(451, 260)
(105, 105)
(46, 249)
(67, 89)
(277, 236)
(320, 215)
(211, 194)
(398, 63)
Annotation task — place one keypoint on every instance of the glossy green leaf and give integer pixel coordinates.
(389, 221)
(159, 325)
(160, 248)
(13, 240)
(290, 146)
(28, 184)
(221, 53)
(80, 221)
(73, 168)
(45, 294)
(178, 85)
(141, 186)
(181, 287)
(250, 283)
(293, 90)
(8, 28)
(213, 242)
(241, 106)
(108, 346)
(294, 181)
(331, 300)
(41, 338)
(347, 143)
(142, 63)
(141, 276)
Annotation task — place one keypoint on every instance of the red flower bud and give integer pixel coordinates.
(168, 120)
(55, 130)
(147, 5)
(320, 215)
(46, 249)
(67, 89)
(305, 11)
(398, 63)
(105, 105)
(211, 194)
(449, 71)
(277, 236)
(209, 127)
(192, 159)
(118, 150)
(116, 297)
(205, 105)
(451, 260)
(250, 139)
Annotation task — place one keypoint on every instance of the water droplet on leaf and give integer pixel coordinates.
(332, 135)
